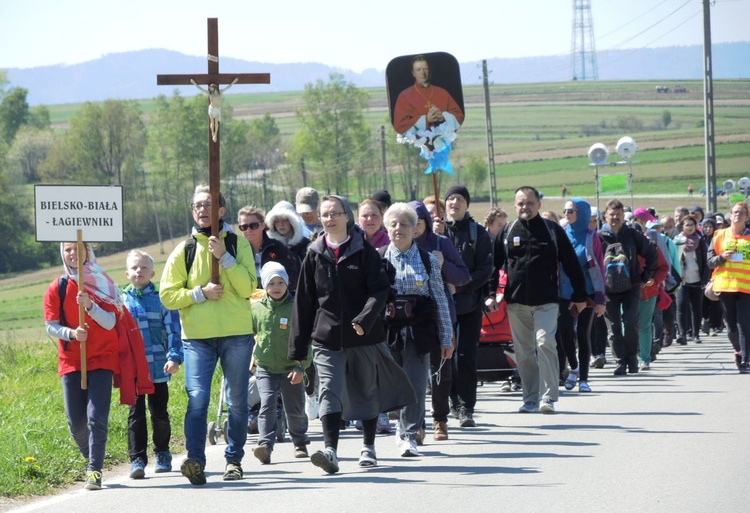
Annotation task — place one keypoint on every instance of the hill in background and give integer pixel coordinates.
(132, 75)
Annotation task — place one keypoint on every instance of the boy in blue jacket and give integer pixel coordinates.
(161, 339)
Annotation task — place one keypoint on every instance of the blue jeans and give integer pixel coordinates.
(201, 357)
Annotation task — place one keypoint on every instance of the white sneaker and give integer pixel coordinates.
(311, 406)
(326, 460)
(547, 407)
(408, 448)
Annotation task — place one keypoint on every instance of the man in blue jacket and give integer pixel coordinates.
(532, 251)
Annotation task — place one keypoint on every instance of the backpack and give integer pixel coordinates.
(616, 269)
(134, 376)
(230, 241)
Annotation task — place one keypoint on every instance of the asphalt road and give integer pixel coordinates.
(675, 439)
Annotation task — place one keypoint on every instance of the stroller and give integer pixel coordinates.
(219, 428)
(497, 360)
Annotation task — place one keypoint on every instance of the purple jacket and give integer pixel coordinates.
(454, 270)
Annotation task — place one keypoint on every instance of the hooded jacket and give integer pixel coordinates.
(578, 232)
(299, 240)
(332, 294)
(634, 244)
(271, 325)
(454, 269)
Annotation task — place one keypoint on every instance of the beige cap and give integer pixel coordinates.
(306, 200)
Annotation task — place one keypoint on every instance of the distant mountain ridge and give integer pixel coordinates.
(132, 75)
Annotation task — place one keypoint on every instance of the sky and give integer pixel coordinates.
(346, 33)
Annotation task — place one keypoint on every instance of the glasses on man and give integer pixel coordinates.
(568, 210)
(331, 215)
(201, 205)
(249, 226)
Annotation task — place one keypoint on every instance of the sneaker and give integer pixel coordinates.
(311, 406)
(682, 341)
(466, 418)
(547, 406)
(358, 425)
(516, 386)
(570, 381)
(384, 425)
(621, 370)
(583, 386)
(529, 407)
(367, 457)
(454, 412)
(137, 469)
(163, 462)
(93, 480)
(506, 386)
(326, 460)
(408, 448)
(697, 340)
(233, 471)
(599, 361)
(645, 366)
(263, 453)
(300, 451)
(441, 430)
(744, 368)
(420, 435)
(193, 470)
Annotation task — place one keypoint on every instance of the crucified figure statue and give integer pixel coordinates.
(214, 104)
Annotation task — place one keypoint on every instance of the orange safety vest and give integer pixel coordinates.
(732, 276)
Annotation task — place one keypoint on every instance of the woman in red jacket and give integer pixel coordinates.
(87, 409)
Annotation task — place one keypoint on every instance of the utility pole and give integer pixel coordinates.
(382, 153)
(490, 142)
(708, 110)
(304, 172)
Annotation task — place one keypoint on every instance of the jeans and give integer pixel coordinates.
(160, 425)
(88, 413)
(645, 328)
(293, 396)
(533, 329)
(622, 316)
(464, 385)
(201, 357)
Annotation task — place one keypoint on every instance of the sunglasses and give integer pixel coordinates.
(568, 210)
(249, 226)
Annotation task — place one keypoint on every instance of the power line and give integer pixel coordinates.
(631, 21)
(614, 47)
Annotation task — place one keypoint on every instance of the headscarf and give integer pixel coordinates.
(96, 282)
(578, 230)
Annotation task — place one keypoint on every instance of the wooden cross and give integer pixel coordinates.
(214, 156)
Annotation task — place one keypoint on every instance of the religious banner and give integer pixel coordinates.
(426, 104)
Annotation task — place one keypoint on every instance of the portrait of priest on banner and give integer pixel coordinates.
(427, 93)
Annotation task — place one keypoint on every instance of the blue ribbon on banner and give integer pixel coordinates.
(439, 160)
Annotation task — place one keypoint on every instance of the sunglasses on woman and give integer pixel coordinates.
(249, 226)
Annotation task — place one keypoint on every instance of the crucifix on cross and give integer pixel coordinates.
(213, 79)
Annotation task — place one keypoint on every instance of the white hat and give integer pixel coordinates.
(270, 270)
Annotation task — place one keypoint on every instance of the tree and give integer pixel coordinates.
(30, 148)
(475, 174)
(666, 118)
(333, 129)
(14, 113)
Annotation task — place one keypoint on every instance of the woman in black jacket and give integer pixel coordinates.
(341, 294)
(693, 255)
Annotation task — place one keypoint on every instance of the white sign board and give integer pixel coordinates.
(61, 210)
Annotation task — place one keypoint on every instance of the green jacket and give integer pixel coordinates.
(271, 325)
(201, 318)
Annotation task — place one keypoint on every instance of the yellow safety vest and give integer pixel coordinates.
(734, 274)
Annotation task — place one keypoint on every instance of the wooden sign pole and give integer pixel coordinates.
(81, 310)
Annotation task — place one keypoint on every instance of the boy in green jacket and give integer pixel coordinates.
(274, 372)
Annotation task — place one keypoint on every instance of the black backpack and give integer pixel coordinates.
(230, 241)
